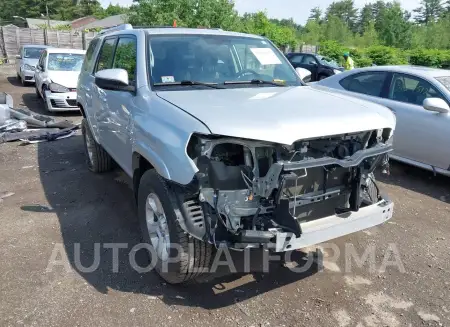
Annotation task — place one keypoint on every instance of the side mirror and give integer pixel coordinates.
(115, 79)
(18, 57)
(304, 74)
(436, 104)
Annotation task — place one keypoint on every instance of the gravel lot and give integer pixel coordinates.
(57, 204)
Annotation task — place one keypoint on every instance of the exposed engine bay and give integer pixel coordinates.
(248, 190)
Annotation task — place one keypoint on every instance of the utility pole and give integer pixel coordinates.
(48, 18)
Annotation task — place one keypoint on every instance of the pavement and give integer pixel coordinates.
(57, 219)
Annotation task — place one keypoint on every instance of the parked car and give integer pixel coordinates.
(224, 152)
(57, 76)
(26, 62)
(320, 67)
(420, 98)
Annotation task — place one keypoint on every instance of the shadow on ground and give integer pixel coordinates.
(100, 209)
(417, 180)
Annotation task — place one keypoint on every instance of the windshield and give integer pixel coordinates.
(65, 61)
(328, 62)
(32, 53)
(218, 59)
(444, 80)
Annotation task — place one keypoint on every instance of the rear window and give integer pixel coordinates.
(444, 80)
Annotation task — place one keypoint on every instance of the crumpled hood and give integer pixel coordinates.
(280, 114)
(68, 79)
(30, 61)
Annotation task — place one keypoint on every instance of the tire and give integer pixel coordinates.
(98, 160)
(195, 255)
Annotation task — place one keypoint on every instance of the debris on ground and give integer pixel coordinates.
(28, 127)
(5, 195)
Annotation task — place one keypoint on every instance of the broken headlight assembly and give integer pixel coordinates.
(246, 190)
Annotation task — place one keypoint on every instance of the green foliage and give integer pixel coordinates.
(56, 28)
(332, 49)
(382, 55)
(430, 58)
(58, 9)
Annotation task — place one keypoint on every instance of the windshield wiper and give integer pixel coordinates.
(255, 81)
(189, 82)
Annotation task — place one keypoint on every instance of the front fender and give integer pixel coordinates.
(161, 132)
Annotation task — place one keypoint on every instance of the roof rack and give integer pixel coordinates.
(120, 27)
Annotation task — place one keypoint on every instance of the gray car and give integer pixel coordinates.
(419, 97)
(26, 62)
(226, 146)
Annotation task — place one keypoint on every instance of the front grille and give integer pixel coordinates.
(28, 78)
(61, 103)
(72, 103)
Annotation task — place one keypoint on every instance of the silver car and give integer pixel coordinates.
(419, 97)
(226, 146)
(26, 62)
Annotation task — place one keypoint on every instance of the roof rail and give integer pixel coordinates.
(120, 27)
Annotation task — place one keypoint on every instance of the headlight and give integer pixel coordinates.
(337, 71)
(58, 88)
(28, 67)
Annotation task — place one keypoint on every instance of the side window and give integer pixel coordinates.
(296, 59)
(125, 56)
(365, 83)
(411, 89)
(309, 60)
(105, 57)
(88, 63)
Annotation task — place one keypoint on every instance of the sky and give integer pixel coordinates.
(297, 9)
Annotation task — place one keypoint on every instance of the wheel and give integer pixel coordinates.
(98, 159)
(161, 230)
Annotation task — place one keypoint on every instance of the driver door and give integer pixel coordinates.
(420, 135)
(310, 63)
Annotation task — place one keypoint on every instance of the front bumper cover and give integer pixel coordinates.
(61, 101)
(331, 227)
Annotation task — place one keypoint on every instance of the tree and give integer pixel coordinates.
(369, 36)
(189, 13)
(393, 28)
(429, 11)
(312, 32)
(344, 10)
(316, 14)
(366, 17)
(336, 29)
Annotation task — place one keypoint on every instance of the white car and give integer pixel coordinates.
(56, 78)
(26, 62)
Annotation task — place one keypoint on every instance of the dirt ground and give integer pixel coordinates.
(59, 207)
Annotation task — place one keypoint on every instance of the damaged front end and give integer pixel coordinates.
(248, 193)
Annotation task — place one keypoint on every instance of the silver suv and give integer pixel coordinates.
(226, 146)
